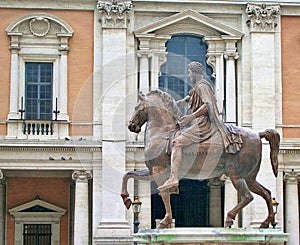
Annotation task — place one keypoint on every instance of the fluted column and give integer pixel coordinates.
(81, 220)
(292, 207)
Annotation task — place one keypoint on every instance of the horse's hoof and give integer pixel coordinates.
(165, 223)
(264, 225)
(228, 223)
(127, 201)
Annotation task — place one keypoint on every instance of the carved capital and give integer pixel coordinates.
(231, 55)
(1, 174)
(81, 176)
(215, 183)
(291, 177)
(114, 14)
(262, 17)
(144, 53)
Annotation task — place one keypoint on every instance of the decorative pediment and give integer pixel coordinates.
(192, 21)
(40, 25)
(37, 207)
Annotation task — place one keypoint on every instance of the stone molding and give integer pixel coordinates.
(292, 177)
(81, 176)
(262, 17)
(114, 14)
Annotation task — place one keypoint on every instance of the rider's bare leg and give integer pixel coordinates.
(176, 158)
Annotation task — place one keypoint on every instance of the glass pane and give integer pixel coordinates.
(38, 91)
(182, 49)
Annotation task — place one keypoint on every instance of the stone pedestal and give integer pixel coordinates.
(212, 236)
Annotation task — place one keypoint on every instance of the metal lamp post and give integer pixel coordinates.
(136, 207)
(275, 208)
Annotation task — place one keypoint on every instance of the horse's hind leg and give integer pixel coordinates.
(246, 197)
(258, 189)
(160, 177)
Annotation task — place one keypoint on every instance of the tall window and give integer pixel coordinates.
(38, 90)
(182, 49)
(37, 234)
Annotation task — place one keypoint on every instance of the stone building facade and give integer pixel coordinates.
(70, 75)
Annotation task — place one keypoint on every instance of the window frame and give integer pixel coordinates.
(39, 84)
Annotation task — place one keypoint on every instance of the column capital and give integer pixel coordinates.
(291, 177)
(215, 183)
(229, 55)
(114, 14)
(262, 17)
(144, 53)
(81, 175)
(1, 174)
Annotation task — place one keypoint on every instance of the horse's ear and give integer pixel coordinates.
(141, 96)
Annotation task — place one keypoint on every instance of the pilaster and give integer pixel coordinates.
(262, 24)
(113, 228)
(2, 207)
(292, 209)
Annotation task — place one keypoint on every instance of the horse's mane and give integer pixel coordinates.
(168, 101)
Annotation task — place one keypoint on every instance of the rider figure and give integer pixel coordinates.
(200, 123)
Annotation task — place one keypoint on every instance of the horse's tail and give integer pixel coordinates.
(273, 137)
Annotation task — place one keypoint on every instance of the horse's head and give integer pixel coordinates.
(139, 116)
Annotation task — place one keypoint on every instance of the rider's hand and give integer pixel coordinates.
(183, 121)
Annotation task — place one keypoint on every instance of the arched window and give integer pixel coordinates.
(182, 49)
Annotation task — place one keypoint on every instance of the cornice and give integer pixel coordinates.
(60, 146)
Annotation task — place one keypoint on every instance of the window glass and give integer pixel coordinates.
(37, 234)
(38, 90)
(182, 49)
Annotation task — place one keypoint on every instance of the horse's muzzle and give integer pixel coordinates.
(134, 128)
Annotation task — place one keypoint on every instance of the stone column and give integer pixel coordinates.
(230, 55)
(81, 219)
(2, 208)
(231, 199)
(215, 209)
(113, 227)
(292, 207)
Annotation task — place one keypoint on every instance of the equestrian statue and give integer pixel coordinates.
(198, 145)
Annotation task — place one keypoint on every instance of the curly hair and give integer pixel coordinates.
(196, 67)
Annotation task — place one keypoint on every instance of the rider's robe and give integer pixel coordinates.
(203, 127)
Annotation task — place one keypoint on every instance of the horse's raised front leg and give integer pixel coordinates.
(246, 197)
(138, 175)
(160, 177)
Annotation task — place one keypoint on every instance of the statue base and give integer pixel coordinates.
(211, 236)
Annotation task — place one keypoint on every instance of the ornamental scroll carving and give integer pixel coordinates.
(262, 17)
(114, 14)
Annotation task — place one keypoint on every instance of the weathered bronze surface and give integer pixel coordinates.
(207, 151)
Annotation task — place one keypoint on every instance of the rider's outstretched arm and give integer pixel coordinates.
(183, 102)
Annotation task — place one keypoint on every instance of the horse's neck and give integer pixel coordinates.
(161, 121)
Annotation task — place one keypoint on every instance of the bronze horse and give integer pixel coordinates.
(160, 112)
